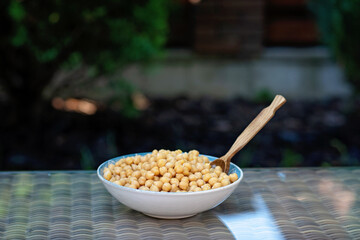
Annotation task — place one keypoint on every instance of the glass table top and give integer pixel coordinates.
(298, 203)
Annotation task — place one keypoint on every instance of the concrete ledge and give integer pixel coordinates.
(306, 73)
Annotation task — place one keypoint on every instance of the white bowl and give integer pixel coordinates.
(169, 205)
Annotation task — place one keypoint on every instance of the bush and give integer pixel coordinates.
(339, 25)
(38, 38)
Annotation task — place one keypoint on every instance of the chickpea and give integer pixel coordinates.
(158, 184)
(166, 187)
(172, 172)
(154, 188)
(136, 174)
(162, 170)
(206, 177)
(187, 165)
(206, 187)
(160, 155)
(212, 181)
(199, 167)
(178, 168)
(174, 181)
(129, 160)
(142, 180)
(200, 182)
(233, 177)
(194, 169)
(156, 171)
(216, 185)
(207, 166)
(179, 176)
(167, 175)
(135, 183)
(218, 172)
(165, 179)
(122, 182)
(143, 172)
(152, 164)
(144, 188)
(186, 172)
(170, 165)
(149, 183)
(225, 182)
(107, 174)
(174, 188)
(193, 183)
(165, 171)
(183, 185)
(192, 188)
(137, 159)
(117, 170)
(143, 159)
(205, 171)
(129, 172)
(193, 177)
(161, 162)
(186, 179)
(198, 175)
(149, 175)
(146, 166)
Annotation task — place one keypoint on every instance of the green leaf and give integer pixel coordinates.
(16, 11)
(20, 37)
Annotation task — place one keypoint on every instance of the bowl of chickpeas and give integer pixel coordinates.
(168, 184)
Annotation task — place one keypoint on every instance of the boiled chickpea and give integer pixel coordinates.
(163, 170)
(212, 181)
(233, 177)
(158, 184)
(144, 188)
(107, 174)
(216, 185)
(206, 187)
(225, 182)
(142, 180)
(149, 183)
(165, 179)
(166, 187)
(149, 175)
(200, 182)
(206, 177)
(154, 188)
(183, 185)
(174, 181)
(161, 162)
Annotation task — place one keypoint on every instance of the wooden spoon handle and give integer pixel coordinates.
(254, 127)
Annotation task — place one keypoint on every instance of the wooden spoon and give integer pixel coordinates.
(250, 131)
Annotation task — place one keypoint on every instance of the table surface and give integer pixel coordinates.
(299, 203)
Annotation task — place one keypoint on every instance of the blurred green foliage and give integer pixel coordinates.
(339, 24)
(291, 158)
(40, 37)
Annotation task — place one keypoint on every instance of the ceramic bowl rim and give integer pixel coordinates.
(122, 188)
